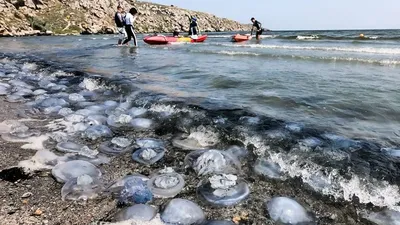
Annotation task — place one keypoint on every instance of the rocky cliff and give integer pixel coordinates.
(30, 17)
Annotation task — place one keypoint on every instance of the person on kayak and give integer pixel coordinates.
(176, 33)
(258, 27)
(129, 28)
(119, 22)
(193, 29)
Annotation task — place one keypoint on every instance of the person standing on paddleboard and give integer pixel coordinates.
(193, 27)
(129, 28)
(258, 27)
(119, 22)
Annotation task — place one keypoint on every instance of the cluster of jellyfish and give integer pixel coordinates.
(88, 130)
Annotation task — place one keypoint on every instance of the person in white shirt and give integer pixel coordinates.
(129, 28)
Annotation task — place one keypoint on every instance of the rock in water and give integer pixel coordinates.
(183, 212)
(386, 217)
(83, 188)
(287, 211)
(135, 191)
(166, 183)
(268, 169)
(137, 212)
(148, 156)
(223, 190)
(73, 169)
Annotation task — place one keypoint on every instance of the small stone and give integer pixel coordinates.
(27, 195)
(38, 212)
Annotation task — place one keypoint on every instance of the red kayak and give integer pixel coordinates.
(241, 38)
(163, 40)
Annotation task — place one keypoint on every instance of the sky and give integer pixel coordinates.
(302, 14)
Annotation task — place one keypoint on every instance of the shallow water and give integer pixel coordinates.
(324, 110)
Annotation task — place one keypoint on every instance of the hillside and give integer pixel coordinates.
(30, 17)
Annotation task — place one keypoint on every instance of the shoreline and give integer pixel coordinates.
(45, 205)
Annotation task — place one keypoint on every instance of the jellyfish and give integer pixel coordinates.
(71, 147)
(135, 190)
(139, 212)
(182, 211)
(137, 112)
(166, 183)
(148, 156)
(206, 162)
(66, 171)
(96, 132)
(83, 188)
(142, 123)
(268, 169)
(223, 190)
(93, 120)
(287, 211)
(116, 146)
(116, 187)
(119, 120)
(150, 143)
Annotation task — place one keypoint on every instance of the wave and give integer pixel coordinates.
(384, 51)
(381, 62)
(311, 37)
(327, 37)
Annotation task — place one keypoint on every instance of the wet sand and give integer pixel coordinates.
(45, 206)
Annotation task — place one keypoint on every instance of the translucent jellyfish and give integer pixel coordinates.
(135, 190)
(166, 183)
(39, 92)
(74, 97)
(142, 123)
(206, 162)
(386, 217)
(116, 146)
(73, 169)
(71, 147)
(119, 121)
(148, 156)
(97, 108)
(199, 138)
(223, 190)
(84, 104)
(85, 112)
(149, 143)
(14, 98)
(23, 92)
(51, 102)
(341, 142)
(311, 142)
(137, 112)
(20, 136)
(82, 188)
(249, 120)
(65, 111)
(74, 118)
(139, 212)
(268, 169)
(237, 151)
(93, 120)
(110, 104)
(287, 211)
(182, 211)
(96, 132)
(4, 91)
(116, 187)
(52, 110)
(294, 127)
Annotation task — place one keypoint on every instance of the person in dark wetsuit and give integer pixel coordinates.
(258, 27)
(193, 29)
(120, 22)
(129, 28)
(176, 33)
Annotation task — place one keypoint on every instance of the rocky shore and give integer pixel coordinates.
(38, 17)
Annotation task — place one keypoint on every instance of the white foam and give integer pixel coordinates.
(167, 109)
(388, 51)
(311, 37)
(90, 84)
(204, 136)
